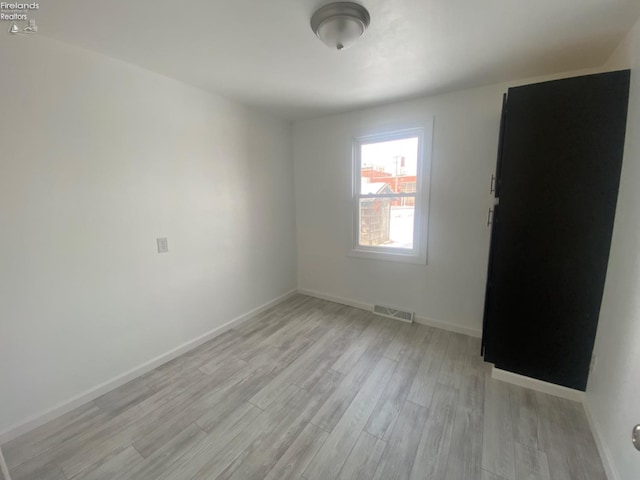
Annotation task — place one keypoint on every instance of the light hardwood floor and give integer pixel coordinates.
(318, 391)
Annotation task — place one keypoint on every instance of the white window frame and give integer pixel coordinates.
(418, 254)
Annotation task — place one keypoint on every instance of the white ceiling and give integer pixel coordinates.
(263, 52)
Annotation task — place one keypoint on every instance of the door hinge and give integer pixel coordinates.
(490, 217)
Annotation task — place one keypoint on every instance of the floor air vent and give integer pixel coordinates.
(393, 313)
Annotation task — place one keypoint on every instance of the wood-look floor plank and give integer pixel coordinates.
(329, 415)
(291, 337)
(173, 378)
(253, 343)
(166, 455)
(122, 397)
(427, 375)
(33, 470)
(223, 444)
(111, 437)
(552, 440)
(229, 342)
(490, 476)
(243, 340)
(136, 423)
(174, 370)
(399, 344)
(465, 454)
(386, 412)
(531, 463)
(525, 418)
(591, 462)
(267, 371)
(583, 444)
(434, 445)
(566, 447)
(577, 419)
(356, 349)
(453, 363)
(498, 454)
(400, 452)
(292, 372)
(187, 465)
(168, 422)
(266, 454)
(60, 430)
(221, 387)
(309, 361)
(331, 457)
(126, 460)
(226, 461)
(223, 368)
(289, 307)
(158, 437)
(312, 372)
(364, 458)
(305, 322)
(297, 457)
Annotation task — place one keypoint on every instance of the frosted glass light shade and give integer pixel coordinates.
(340, 24)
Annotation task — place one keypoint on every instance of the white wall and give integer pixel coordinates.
(613, 393)
(450, 288)
(98, 158)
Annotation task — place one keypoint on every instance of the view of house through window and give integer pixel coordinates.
(387, 177)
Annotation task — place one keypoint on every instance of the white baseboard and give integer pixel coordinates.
(333, 298)
(605, 455)
(538, 385)
(472, 332)
(93, 393)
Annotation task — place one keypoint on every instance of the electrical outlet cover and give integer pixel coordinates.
(163, 245)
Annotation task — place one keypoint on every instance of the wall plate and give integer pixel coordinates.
(163, 245)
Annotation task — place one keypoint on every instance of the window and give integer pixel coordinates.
(390, 196)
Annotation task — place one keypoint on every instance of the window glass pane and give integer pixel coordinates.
(389, 167)
(387, 222)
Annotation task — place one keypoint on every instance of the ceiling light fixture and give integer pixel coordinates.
(340, 24)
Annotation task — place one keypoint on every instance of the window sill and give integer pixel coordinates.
(386, 255)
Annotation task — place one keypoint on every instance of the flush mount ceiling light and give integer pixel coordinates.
(340, 24)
